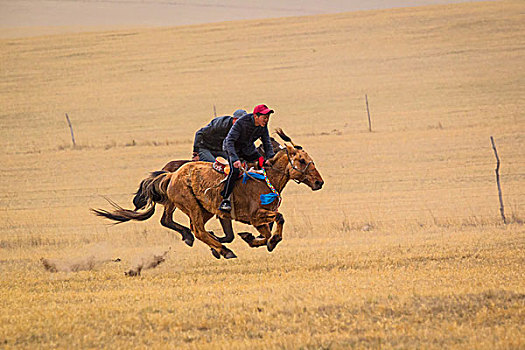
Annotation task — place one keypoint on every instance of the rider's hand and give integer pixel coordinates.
(237, 164)
(195, 157)
(267, 162)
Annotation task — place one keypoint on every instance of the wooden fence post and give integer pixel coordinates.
(368, 112)
(71, 129)
(501, 209)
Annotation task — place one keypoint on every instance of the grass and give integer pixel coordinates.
(403, 247)
(432, 288)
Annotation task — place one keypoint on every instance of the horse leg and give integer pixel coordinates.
(227, 229)
(217, 248)
(266, 237)
(260, 241)
(207, 217)
(186, 201)
(278, 235)
(167, 221)
(261, 221)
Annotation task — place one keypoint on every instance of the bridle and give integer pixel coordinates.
(303, 172)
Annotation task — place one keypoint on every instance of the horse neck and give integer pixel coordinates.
(277, 174)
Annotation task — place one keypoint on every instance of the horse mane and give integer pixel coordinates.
(286, 138)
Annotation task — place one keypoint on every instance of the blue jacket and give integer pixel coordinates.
(212, 135)
(242, 135)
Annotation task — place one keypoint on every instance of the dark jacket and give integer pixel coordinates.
(212, 135)
(240, 139)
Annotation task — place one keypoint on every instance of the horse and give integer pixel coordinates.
(140, 201)
(194, 189)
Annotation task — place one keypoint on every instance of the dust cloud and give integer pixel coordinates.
(149, 261)
(101, 254)
(97, 254)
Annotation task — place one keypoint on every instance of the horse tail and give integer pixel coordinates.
(154, 191)
(140, 199)
(122, 215)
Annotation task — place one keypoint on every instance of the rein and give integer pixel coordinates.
(269, 184)
(265, 198)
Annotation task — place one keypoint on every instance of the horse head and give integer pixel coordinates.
(301, 167)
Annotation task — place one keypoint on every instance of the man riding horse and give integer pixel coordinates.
(208, 145)
(193, 189)
(239, 144)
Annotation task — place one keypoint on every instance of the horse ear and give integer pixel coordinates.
(291, 149)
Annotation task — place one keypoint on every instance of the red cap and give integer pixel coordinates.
(262, 109)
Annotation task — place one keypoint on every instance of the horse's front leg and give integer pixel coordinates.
(262, 221)
(260, 241)
(227, 228)
(278, 235)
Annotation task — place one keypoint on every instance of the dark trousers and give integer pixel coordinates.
(233, 176)
(205, 155)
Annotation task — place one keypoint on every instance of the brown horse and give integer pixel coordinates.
(140, 200)
(195, 189)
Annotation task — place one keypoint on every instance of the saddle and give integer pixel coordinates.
(221, 166)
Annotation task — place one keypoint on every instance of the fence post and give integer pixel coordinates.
(71, 129)
(368, 112)
(501, 209)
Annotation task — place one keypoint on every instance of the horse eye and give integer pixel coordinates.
(302, 161)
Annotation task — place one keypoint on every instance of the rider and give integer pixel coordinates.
(239, 145)
(208, 139)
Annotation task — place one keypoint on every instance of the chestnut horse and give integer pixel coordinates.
(195, 189)
(140, 200)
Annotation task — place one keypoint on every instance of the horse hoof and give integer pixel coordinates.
(189, 240)
(230, 255)
(246, 236)
(272, 243)
(215, 253)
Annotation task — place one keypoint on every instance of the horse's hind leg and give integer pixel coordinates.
(167, 221)
(206, 217)
(197, 221)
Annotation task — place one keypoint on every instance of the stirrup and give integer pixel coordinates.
(225, 205)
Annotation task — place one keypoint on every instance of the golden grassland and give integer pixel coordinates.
(433, 288)
(402, 248)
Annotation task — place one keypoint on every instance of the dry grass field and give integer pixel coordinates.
(403, 247)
